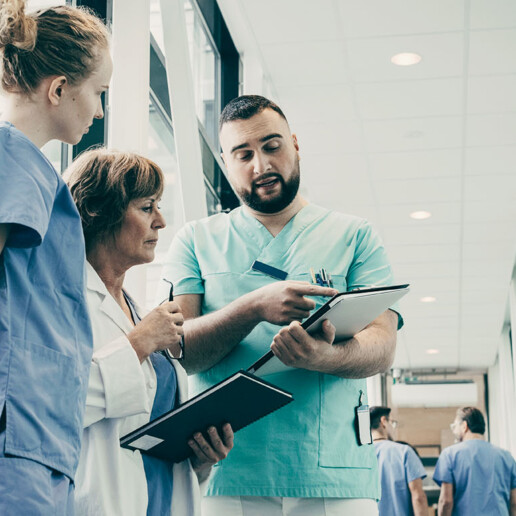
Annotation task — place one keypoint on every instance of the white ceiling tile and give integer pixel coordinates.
(487, 280)
(292, 20)
(380, 18)
(490, 187)
(486, 130)
(413, 134)
(492, 14)
(301, 63)
(429, 234)
(487, 253)
(490, 160)
(332, 168)
(317, 138)
(491, 94)
(399, 214)
(442, 56)
(489, 211)
(407, 272)
(492, 52)
(433, 287)
(423, 253)
(440, 189)
(437, 97)
(302, 104)
(398, 165)
(503, 263)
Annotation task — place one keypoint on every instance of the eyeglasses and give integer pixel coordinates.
(166, 352)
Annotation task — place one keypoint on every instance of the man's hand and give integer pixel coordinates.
(297, 348)
(209, 452)
(284, 301)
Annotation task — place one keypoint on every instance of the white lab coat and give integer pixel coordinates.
(111, 480)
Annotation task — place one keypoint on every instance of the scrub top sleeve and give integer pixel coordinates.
(413, 466)
(27, 197)
(182, 266)
(513, 475)
(370, 264)
(117, 384)
(443, 470)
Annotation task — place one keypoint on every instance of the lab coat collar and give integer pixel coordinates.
(108, 304)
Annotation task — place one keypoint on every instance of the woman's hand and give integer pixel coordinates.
(212, 450)
(160, 329)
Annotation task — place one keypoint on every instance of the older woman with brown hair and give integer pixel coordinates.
(131, 379)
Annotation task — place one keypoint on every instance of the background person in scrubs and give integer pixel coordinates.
(55, 67)
(476, 477)
(131, 381)
(305, 458)
(401, 470)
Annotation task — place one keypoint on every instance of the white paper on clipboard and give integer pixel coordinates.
(349, 312)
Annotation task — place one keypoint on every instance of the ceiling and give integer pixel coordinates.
(382, 141)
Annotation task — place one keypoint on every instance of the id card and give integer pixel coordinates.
(363, 425)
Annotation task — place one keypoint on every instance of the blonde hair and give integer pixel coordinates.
(103, 182)
(59, 40)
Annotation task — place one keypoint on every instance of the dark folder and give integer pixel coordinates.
(239, 400)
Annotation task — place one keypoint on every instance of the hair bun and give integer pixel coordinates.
(15, 28)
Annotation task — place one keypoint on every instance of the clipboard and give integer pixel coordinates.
(350, 312)
(241, 399)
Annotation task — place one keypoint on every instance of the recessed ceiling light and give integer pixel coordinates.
(428, 299)
(420, 215)
(432, 351)
(406, 59)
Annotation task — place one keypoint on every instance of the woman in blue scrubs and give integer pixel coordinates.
(131, 380)
(55, 66)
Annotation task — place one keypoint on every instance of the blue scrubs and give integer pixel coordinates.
(398, 465)
(159, 472)
(45, 333)
(482, 476)
(309, 448)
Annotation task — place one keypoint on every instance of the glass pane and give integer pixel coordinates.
(52, 150)
(205, 69)
(162, 150)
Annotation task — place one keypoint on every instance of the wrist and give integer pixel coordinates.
(138, 345)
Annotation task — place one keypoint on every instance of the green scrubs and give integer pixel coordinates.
(309, 448)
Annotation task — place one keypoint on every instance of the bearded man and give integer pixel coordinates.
(241, 276)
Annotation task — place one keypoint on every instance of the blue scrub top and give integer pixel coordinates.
(398, 465)
(308, 448)
(158, 472)
(482, 476)
(45, 335)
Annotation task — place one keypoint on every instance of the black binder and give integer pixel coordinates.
(239, 400)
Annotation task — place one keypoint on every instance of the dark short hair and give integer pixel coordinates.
(103, 183)
(376, 413)
(474, 419)
(246, 106)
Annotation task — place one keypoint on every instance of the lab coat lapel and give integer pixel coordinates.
(108, 305)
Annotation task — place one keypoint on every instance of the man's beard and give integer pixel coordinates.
(288, 191)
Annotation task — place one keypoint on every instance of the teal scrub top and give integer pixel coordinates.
(309, 448)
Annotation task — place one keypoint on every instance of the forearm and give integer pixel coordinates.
(209, 338)
(420, 504)
(368, 353)
(444, 508)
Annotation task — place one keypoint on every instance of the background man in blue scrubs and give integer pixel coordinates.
(401, 470)
(304, 459)
(476, 478)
